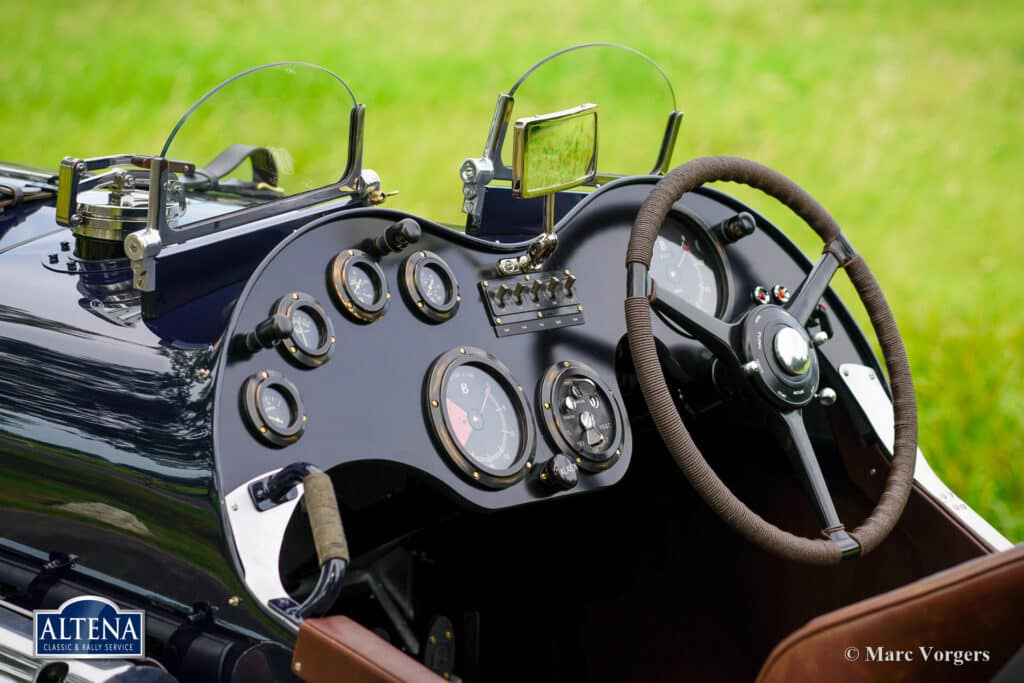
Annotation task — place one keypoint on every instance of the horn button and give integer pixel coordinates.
(783, 350)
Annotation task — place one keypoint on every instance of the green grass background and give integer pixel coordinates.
(903, 118)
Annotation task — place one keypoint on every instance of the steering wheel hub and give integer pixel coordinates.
(782, 348)
(792, 352)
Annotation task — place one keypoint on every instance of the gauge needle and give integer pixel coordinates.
(487, 395)
(686, 250)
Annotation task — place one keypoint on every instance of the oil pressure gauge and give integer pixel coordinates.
(584, 417)
(429, 285)
(312, 339)
(359, 285)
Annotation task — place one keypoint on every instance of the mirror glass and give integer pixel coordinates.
(554, 152)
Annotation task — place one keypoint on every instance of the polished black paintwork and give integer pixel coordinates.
(117, 443)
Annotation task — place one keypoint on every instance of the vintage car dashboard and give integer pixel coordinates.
(499, 390)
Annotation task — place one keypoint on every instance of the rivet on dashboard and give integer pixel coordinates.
(567, 271)
(547, 406)
(423, 254)
(419, 304)
(526, 277)
(618, 451)
(234, 601)
(458, 297)
(351, 252)
(540, 314)
(497, 320)
(579, 461)
(263, 429)
(448, 635)
(434, 404)
(264, 374)
(293, 349)
(543, 476)
(566, 363)
(529, 465)
(333, 340)
(520, 387)
(476, 475)
(485, 283)
(579, 309)
(462, 349)
(295, 295)
(305, 418)
(388, 296)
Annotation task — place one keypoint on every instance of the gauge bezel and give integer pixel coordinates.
(552, 419)
(292, 347)
(691, 222)
(338, 279)
(437, 417)
(256, 418)
(419, 302)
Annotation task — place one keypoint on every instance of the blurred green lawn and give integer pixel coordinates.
(905, 119)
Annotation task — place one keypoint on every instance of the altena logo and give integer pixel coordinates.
(89, 627)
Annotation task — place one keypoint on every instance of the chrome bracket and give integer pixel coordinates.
(541, 247)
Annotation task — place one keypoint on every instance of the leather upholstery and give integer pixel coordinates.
(338, 650)
(975, 606)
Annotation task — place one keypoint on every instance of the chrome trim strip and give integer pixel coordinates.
(877, 408)
(258, 537)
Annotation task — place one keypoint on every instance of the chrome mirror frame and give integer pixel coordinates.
(522, 152)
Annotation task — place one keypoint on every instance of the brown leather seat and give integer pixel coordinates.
(338, 650)
(962, 624)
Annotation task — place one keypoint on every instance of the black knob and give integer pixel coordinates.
(398, 236)
(269, 332)
(736, 227)
(560, 473)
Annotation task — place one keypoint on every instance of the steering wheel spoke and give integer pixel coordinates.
(790, 429)
(814, 286)
(718, 335)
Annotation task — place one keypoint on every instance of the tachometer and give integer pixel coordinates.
(359, 285)
(480, 417)
(686, 263)
(584, 416)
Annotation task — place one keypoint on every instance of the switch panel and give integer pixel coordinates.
(532, 302)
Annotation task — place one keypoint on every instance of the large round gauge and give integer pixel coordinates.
(480, 417)
(687, 263)
(430, 286)
(359, 285)
(583, 415)
(312, 340)
(273, 409)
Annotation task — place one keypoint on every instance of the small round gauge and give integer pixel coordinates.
(273, 409)
(583, 415)
(359, 285)
(480, 417)
(686, 262)
(430, 286)
(312, 339)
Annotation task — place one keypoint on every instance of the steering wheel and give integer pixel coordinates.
(770, 352)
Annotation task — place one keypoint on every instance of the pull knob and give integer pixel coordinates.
(398, 236)
(736, 227)
(560, 473)
(268, 333)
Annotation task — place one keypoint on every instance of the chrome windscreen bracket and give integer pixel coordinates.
(477, 173)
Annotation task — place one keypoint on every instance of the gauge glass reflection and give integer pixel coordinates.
(432, 285)
(362, 285)
(683, 263)
(306, 331)
(481, 417)
(276, 408)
